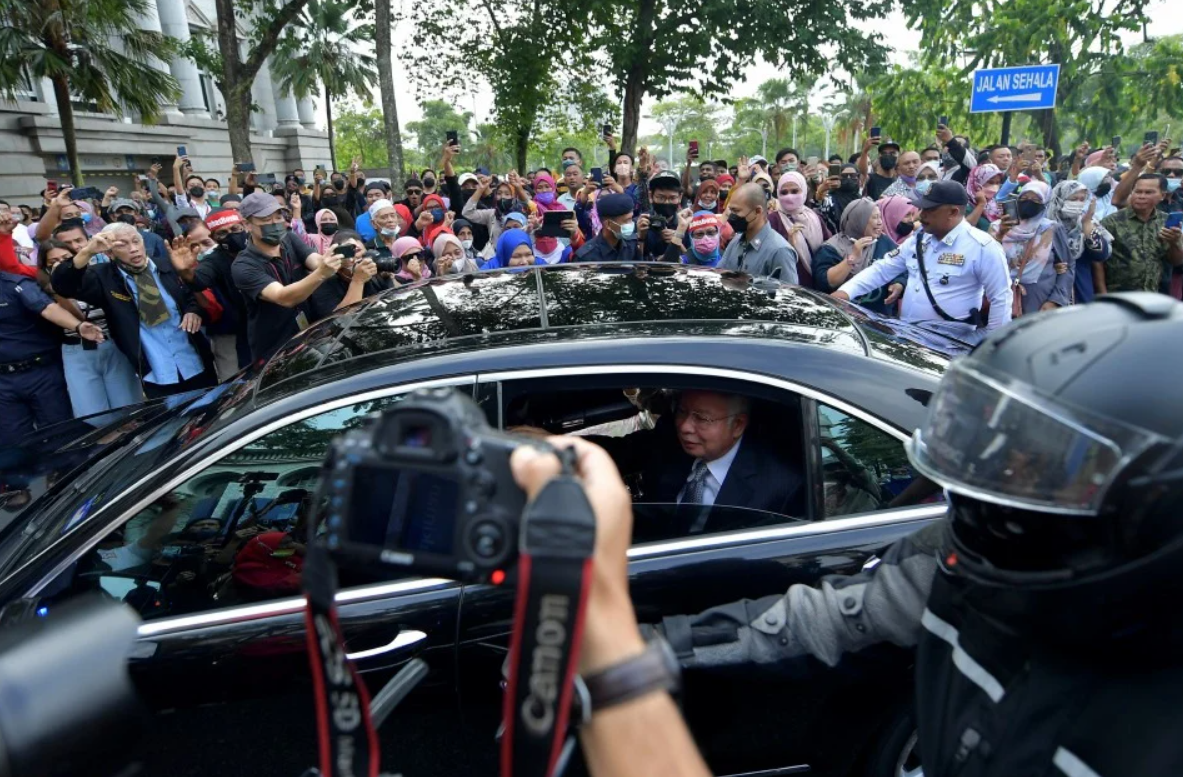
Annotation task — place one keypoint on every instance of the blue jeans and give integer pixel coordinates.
(99, 380)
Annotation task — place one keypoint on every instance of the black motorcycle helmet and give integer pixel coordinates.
(1060, 443)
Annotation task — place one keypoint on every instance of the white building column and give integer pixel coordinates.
(264, 96)
(285, 105)
(175, 24)
(150, 21)
(307, 110)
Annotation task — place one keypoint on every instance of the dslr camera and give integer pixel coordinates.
(425, 487)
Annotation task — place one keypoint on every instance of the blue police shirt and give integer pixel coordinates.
(23, 333)
(166, 346)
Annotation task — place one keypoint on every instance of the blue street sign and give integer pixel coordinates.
(1015, 89)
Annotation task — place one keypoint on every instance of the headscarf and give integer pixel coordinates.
(703, 218)
(852, 227)
(319, 241)
(706, 187)
(434, 229)
(893, 209)
(547, 245)
(1028, 245)
(1072, 225)
(811, 237)
(933, 165)
(1028, 228)
(96, 221)
(1094, 158)
(507, 243)
(1092, 177)
(399, 248)
(978, 178)
(462, 265)
(404, 213)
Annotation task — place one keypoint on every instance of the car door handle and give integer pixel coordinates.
(403, 639)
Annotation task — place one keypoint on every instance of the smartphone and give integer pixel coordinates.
(552, 223)
(694, 149)
(51, 188)
(1151, 138)
(876, 132)
(85, 193)
(245, 167)
(1028, 152)
(182, 151)
(811, 161)
(606, 130)
(597, 175)
(265, 179)
(347, 250)
(943, 121)
(835, 170)
(1116, 143)
(1175, 220)
(1010, 207)
(453, 138)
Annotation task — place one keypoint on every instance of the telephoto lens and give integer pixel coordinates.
(386, 264)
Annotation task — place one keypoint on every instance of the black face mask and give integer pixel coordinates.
(505, 204)
(328, 202)
(848, 185)
(196, 191)
(126, 218)
(429, 182)
(905, 228)
(887, 162)
(737, 223)
(1102, 189)
(665, 210)
(329, 229)
(234, 242)
(339, 185)
(1029, 209)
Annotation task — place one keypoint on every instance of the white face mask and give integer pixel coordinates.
(1073, 209)
(467, 244)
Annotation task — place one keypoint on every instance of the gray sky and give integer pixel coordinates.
(1163, 22)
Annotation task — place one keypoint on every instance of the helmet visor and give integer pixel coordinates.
(999, 440)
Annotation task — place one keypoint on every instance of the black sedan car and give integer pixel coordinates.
(192, 512)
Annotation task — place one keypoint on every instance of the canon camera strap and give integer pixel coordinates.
(346, 738)
(556, 543)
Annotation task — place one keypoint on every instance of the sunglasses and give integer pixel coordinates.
(414, 192)
(1174, 172)
(417, 255)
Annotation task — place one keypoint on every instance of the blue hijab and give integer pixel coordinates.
(692, 256)
(506, 245)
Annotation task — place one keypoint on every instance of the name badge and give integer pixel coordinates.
(121, 297)
(957, 260)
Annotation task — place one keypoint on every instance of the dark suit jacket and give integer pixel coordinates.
(102, 285)
(759, 478)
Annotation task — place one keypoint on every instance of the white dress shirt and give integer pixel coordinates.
(716, 474)
(962, 266)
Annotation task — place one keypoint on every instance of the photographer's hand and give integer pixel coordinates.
(644, 736)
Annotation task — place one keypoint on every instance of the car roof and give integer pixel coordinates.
(574, 302)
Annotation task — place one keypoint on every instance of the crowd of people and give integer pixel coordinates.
(105, 301)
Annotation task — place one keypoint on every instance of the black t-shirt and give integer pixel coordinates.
(269, 326)
(325, 300)
(877, 184)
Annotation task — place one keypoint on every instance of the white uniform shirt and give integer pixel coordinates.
(962, 266)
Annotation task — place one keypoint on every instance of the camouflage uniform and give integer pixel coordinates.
(1139, 257)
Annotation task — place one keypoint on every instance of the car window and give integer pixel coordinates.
(232, 534)
(863, 468)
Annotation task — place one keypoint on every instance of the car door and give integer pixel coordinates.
(221, 655)
(800, 716)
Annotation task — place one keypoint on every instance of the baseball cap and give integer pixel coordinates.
(123, 202)
(222, 218)
(466, 177)
(666, 179)
(889, 143)
(258, 204)
(942, 193)
(757, 158)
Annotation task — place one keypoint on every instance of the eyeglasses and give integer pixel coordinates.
(417, 255)
(1172, 172)
(697, 418)
(414, 192)
(708, 232)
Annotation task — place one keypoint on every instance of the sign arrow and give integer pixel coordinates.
(1016, 98)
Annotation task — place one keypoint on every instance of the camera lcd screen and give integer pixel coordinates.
(403, 510)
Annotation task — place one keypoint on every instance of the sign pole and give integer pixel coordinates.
(1006, 117)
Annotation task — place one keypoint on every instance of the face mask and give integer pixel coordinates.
(234, 242)
(666, 210)
(1029, 209)
(339, 185)
(329, 229)
(429, 182)
(467, 244)
(922, 187)
(205, 253)
(545, 198)
(1102, 189)
(1072, 209)
(738, 223)
(789, 167)
(724, 193)
(627, 230)
(887, 162)
(299, 182)
(150, 213)
(905, 228)
(908, 179)
(126, 218)
(389, 234)
(1173, 184)
(705, 246)
(991, 191)
(437, 215)
(703, 205)
(272, 234)
(848, 185)
(196, 192)
(328, 202)
(792, 202)
(505, 204)
(624, 173)
(86, 217)
(213, 192)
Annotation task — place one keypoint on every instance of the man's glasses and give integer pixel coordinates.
(699, 419)
(708, 232)
(414, 192)
(1172, 172)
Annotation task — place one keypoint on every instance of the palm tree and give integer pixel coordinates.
(322, 50)
(776, 95)
(91, 50)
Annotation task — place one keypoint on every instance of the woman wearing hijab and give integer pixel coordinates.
(451, 257)
(463, 230)
(92, 221)
(551, 250)
(514, 249)
(835, 200)
(707, 197)
(859, 243)
(441, 219)
(412, 260)
(899, 217)
(1037, 253)
(984, 183)
(705, 237)
(1099, 182)
(1089, 243)
(802, 227)
(326, 226)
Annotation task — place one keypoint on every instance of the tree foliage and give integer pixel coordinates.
(359, 135)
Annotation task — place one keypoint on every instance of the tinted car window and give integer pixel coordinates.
(864, 468)
(232, 534)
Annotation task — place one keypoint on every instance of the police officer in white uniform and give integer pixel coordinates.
(961, 264)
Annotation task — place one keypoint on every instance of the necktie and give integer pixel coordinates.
(151, 305)
(692, 493)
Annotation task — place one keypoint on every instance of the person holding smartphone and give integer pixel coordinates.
(356, 279)
(1146, 251)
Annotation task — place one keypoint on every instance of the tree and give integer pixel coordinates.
(693, 119)
(702, 46)
(91, 50)
(322, 51)
(439, 118)
(394, 142)
(359, 134)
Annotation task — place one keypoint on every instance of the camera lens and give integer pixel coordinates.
(387, 264)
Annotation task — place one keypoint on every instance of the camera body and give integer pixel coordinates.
(425, 487)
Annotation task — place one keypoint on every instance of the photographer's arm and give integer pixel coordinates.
(644, 736)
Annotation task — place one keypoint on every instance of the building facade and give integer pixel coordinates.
(115, 149)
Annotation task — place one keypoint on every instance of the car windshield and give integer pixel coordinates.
(67, 480)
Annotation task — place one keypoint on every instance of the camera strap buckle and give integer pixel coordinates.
(557, 540)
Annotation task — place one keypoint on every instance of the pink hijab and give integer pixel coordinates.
(979, 177)
(547, 245)
(320, 243)
(893, 209)
(96, 221)
(812, 236)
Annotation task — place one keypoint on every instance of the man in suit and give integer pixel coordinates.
(704, 453)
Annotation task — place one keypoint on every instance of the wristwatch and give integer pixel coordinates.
(655, 669)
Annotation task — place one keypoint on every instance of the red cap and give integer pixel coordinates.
(218, 219)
